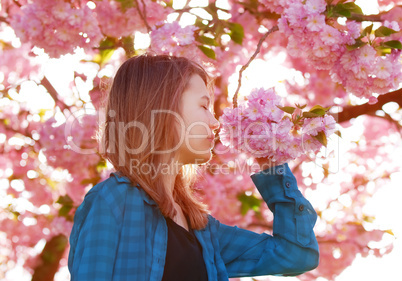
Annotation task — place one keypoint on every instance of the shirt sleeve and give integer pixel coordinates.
(291, 250)
(94, 241)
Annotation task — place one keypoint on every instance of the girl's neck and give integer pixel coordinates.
(170, 175)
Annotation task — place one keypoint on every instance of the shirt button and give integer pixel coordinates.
(280, 171)
(301, 207)
(287, 184)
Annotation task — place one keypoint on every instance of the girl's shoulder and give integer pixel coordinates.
(114, 193)
(130, 189)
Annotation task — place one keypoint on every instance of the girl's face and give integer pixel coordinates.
(197, 124)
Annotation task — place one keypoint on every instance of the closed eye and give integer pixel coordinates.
(205, 107)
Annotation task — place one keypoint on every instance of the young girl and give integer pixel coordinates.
(143, 222)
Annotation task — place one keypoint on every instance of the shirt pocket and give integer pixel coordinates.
(305, 220)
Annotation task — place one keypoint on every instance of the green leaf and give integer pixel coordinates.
(65, 200)
(343, 13)
(107, 48)
(199, 23)
(249, 202)
(340, 10)
(384, 31)
(393, 44)
(207, 51)
(169, 4)
(236, 32)
(287, 109)
(352, 7)
(383, 50)
(126, 4)
(367, 30)
(206, 40)
(316, 106)
(346, 9)
(101, 165)
(64, 210)
(358, 44)
(106, 55)
(318, 111)
(322, 138)
(310, 115)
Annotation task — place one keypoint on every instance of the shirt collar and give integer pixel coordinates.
(123, 179)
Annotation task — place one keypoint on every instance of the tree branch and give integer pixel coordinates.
(182, 11)
(50, 258)
(3, 19)
(143, 14)
(17, 3)
(360, 18)
(388, 117)
(106, 47)
(375, 17)
(53, 93)
(25, 133)
(350, 111)
(273, 29)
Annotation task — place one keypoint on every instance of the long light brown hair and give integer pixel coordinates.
(143, 84)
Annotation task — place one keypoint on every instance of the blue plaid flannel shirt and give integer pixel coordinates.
(119, 234)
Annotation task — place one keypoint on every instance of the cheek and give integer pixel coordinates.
(198, 128)
(199, 123)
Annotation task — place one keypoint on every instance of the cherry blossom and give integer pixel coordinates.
(335, 63)
(263, 131)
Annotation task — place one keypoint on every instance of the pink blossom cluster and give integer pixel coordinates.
(25, 232)
(172, 39)
(310, 36)
(117, 21)
(338, 249)
(64, 144)
(168, 35)
(229, 58)
(98, 93)
(57, 26)
(232, 54)
(21, 237)
(387, 3)
(225, 178)
(22, 161)
(323, 43)
(16, 65)
(276, 6)
(362, 72)
(393, 20)
(317, 89)
(259, 128)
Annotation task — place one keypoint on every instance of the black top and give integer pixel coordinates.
(184, 259)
